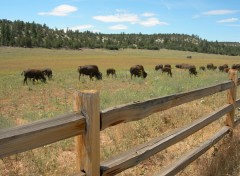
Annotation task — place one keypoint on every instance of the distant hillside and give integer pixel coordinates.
(25, 34)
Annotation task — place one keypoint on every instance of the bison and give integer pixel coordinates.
(168, 65)
(158, 67)
(138, 70)
(202, 68)
(167, 70)
(210, 66)
(111, 71)
(236, 67)
(33, 74)
(47, 72)
(91, 71)
(192, 70)
(221, 68)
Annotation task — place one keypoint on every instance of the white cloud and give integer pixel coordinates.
(81, 27)
(152, 22)
(132, 18)
(147, 14)
(62, 10)
(229, 20)
(118, 27)
(219, 12)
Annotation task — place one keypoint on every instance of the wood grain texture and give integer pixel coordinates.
(40, 133)
(133, 157)
(231, 96)
(139, 110)
(89, 144)
(79, 138)
(185, 160)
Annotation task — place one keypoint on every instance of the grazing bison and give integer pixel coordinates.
(210, 66)
(47, 72)
(167, 70)
(178, 66)
(158, 67)
(138, 70)
(222, 67)
(168, 65)
(182, 66)
(33, 74)
(202, 68)
(192, 70)
(236, 67)
(111, 71)
(91, 71)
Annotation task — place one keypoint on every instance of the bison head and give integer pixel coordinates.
(144, 74)
(99, 76)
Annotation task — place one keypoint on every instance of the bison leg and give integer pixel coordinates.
(25, 80)
(91, 77)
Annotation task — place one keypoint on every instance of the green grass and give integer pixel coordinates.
(21, 104)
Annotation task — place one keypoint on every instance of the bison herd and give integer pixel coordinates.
(137, 71)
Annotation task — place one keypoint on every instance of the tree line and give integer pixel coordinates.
(25, 34)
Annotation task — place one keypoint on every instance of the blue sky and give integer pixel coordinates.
(209, 19)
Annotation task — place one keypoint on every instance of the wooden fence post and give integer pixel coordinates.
(88, 145)
(231, 97)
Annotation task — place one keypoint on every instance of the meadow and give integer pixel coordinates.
(21, 104)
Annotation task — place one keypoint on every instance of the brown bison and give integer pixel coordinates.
(167, 70)
(168, 65)
(236, 67)
(182, 66)
(111, 71)
(202, 68)
(33, 74)
(221, 68)
(47, 72)
(192, 70)
(210, 66)
(158, 67)
(91, 71)
(138, 70)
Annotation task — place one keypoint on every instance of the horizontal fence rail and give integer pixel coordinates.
(140, 110)
(135, 156)
(194, 154)
(40, 133)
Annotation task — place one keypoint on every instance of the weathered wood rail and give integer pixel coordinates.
(87, 121)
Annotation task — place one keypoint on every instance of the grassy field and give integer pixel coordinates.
(20, 104)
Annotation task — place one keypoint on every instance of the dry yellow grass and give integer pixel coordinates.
(14, 59)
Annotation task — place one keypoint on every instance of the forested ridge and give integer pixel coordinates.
(30, 34)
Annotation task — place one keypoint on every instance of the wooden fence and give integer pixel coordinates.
(87, 121)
